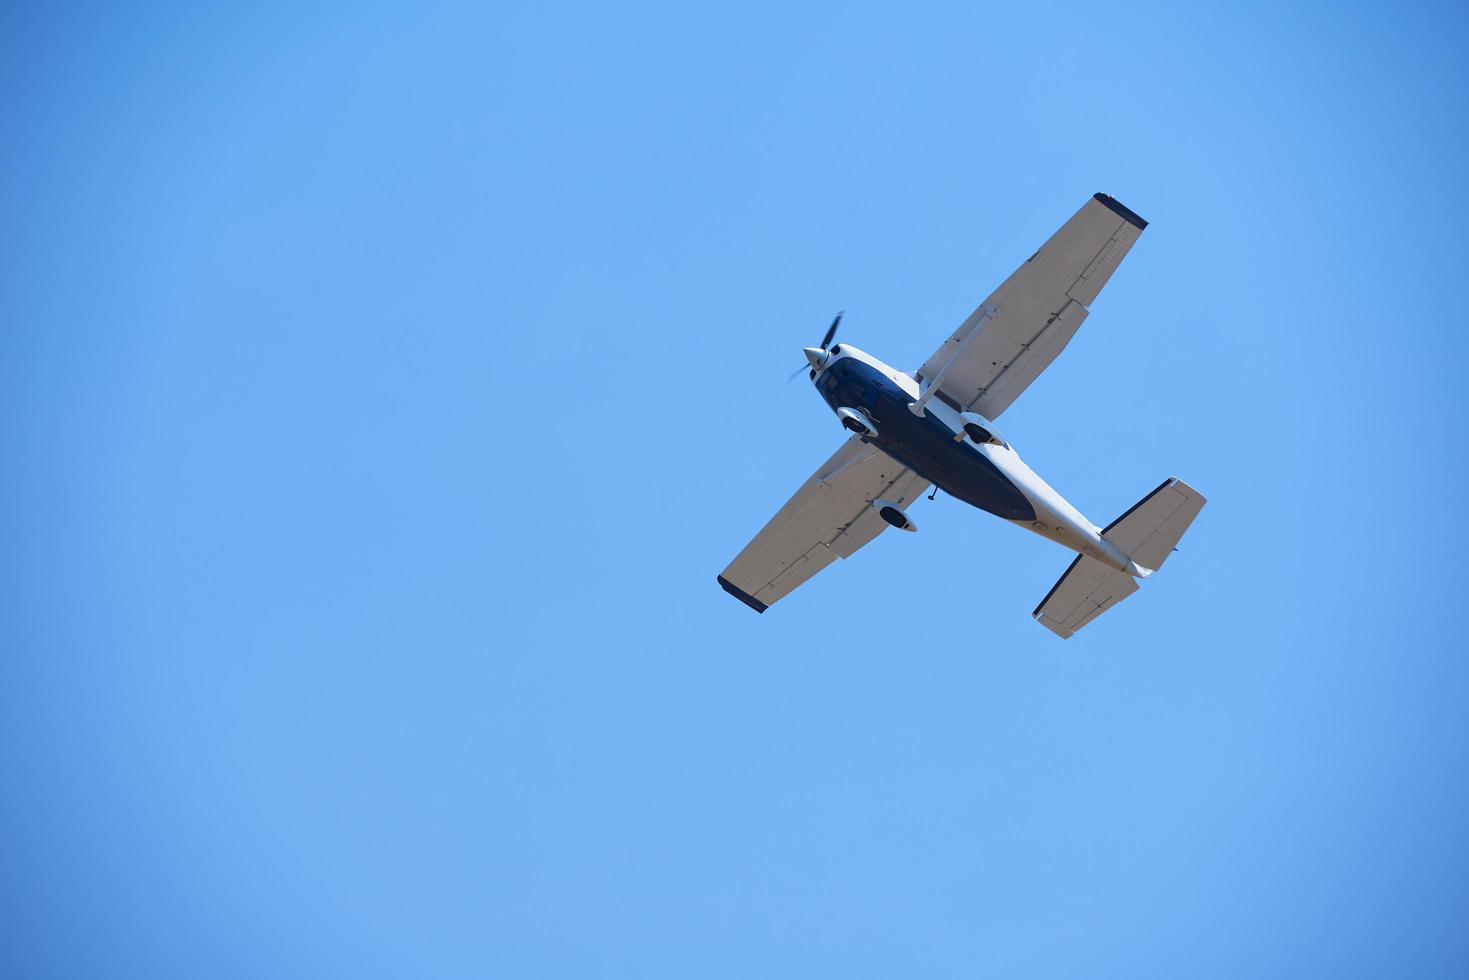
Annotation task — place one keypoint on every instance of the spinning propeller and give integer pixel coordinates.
(817, 354)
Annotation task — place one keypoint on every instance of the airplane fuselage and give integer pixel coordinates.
(934, 444)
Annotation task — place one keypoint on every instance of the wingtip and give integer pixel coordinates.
(742, 595)
(1121, 210)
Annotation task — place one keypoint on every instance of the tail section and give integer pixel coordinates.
(1088, 589)
(1150, 529)
(1147, 534)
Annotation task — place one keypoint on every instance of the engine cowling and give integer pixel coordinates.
(980, 429)
(893, 515)
(856, 422)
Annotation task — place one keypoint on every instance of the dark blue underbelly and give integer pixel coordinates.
(924, 445)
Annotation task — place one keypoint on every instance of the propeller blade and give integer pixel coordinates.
(798, 372)
(831, 332)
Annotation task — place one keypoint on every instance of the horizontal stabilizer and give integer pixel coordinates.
(1150, 530)
(1088, 589)
(1146, 534)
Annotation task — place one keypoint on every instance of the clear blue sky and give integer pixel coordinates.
(384, 387)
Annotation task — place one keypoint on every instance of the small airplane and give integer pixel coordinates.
(936, 426)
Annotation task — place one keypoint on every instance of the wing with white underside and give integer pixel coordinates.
(1005, 344)
(830, 517)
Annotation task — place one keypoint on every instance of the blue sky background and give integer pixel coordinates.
(385, 386)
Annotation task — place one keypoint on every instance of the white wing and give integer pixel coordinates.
(1027, 321)
(830, 517)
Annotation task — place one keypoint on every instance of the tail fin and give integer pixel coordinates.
(1147, 534)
